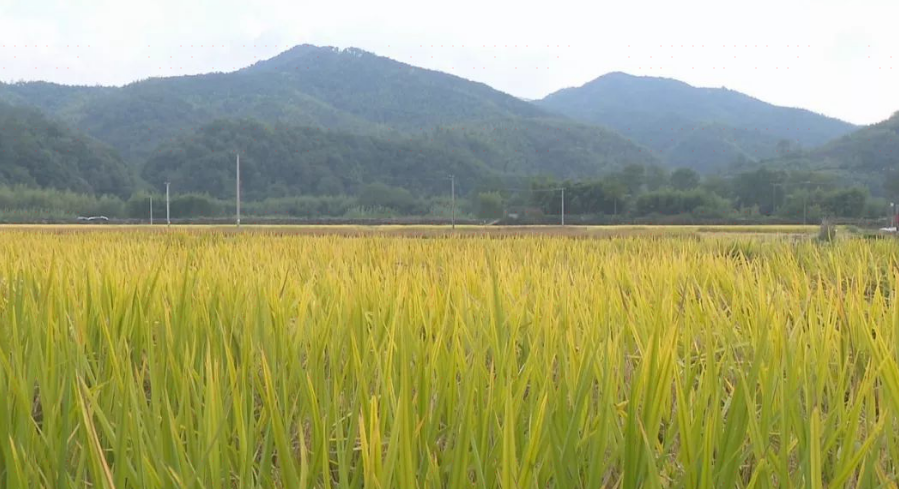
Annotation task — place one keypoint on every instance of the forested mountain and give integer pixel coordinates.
(137, 117)
(871, 148)
(384, 91)
(348, 90)
(535, 146)
(701, 128)
(335, 118)
(281, 160)
(52, 98)
(38, 152)
(869, 157)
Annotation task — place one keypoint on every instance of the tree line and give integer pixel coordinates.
(634, 191)
(648, 191)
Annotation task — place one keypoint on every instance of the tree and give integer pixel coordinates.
(138, 206)
(717, 185)
(846, 202)
(785, 147)
(545, 196)
(615, 196)
(671, 202)
(40, 152)
(656, 177)
(377, 194)
(195, 205)
(891, 185)
(759, 188)
(684, 179)
(490, 205)
(632, 176)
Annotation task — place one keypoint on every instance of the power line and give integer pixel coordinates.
(554, 189)
(513, 189)
(453, 190)
(237, 188)
(168, 220)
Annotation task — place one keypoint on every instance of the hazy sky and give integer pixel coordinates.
(839, 58)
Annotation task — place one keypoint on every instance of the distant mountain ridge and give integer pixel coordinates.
(350, 92)
(701, 128)
(394, 93)
(278, 160)
(390, 107)
(868, 156)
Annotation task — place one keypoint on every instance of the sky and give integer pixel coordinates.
(838, 58)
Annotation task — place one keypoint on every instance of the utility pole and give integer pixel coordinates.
(151, 210)
(168, 220)
(238, 189)
(563, 206)
(453, 191)
(805, 204)
(805, 208)
(773, 198)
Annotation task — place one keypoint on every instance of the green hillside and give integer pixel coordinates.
(280, 160)
(38, 152)
(869, 156)
(347, 90)
(700, 128)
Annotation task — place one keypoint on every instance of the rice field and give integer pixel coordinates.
(209, 359)
(428, 231)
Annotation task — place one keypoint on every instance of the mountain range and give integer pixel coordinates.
(692, 127)
(327, 120)
(868, 157)
(348, 90)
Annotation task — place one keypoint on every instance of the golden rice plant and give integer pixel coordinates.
(205, 359)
